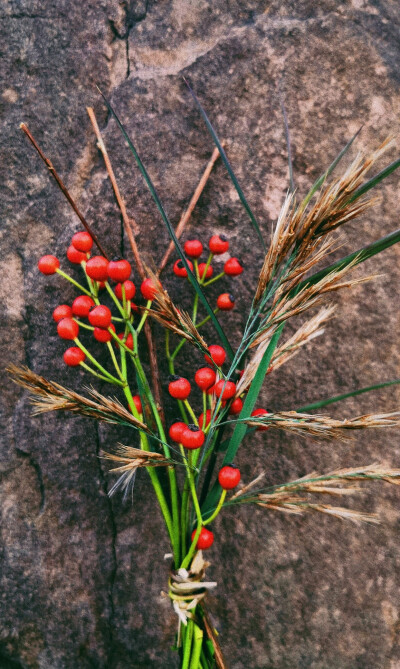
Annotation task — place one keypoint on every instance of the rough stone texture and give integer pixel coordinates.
(81, 576)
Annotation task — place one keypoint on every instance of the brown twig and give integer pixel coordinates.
(130, 223)
(187, 214)
(62, 187)
(219, 658)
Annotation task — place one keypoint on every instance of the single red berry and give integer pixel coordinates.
(100, 316)
(73, 356)
(236, 406)
(260, 412)
(233, 267)
(138, 403)
(229, 477)
(180, 269)
(175, 431)
(208, 419)
(103, 335)
(205, 540)
(218, 244)
(148, 289)
(218, 355)
(192, 437)
(193, 248)
(205, 377)
(75, 256)
(225, 389)
(62, 311)
(82, 305)
(208, 273)
(82, 241)
(128, 341)
(225, 302)
(179, 388)
(134, 307)
(48, 264)
(96, 268)
(119, 270)
(130, 290)
(67, 328)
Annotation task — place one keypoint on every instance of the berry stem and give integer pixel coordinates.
(208, 263)
(191, 412)
(83, 325)
(99, 376)
(217, 509)
(114, 359)
(95, 363)
(115, 300)
(187, 560)
(71, 280)
(214, 279)
(144, 316)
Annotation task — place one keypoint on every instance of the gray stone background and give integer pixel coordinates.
(81, 576)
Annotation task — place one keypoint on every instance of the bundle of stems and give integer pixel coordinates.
(201, 475)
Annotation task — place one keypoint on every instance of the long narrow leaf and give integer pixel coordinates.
(318, 183)
(248, 406)
(227, 165)
(191, 275)
(361, 255)
(338, 398)
(375, 180)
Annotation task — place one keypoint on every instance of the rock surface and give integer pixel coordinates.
(81, 575)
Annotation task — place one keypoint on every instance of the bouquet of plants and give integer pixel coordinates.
(190, 455)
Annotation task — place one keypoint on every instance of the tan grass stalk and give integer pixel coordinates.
(51, 396)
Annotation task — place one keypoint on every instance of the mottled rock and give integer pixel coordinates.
(81, 576)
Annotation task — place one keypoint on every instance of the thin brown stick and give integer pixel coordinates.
(187, 214)
(219, 658)
(130, 223)
(62, 187)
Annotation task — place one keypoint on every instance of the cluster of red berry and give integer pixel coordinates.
(218, 244)
(209, 379)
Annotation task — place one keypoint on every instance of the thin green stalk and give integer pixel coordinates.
(187, 644)
(99, 376)
(83, 325)
(207, 265)
(217, 509)
(191, 412)
(71, 280)
(187, 560)
(214, 279)
(196, 647)
(115, 299)
(94, 361)
(144, 316)
(338, 398)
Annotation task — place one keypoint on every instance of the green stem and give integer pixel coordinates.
(69, 278)
(208, 263)
(187, 560)
(115, 299)
(187, 644)
(217, 510)
(144, 316)
(214, 279)
(338, 398)
(99, 376)
(191, 412)
(196, 647)
(95, 363)
(83, 325)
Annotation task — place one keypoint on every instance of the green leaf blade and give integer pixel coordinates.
(154, 194)
(344, 396)
(227, 165)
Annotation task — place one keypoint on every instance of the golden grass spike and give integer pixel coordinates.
(51, 396)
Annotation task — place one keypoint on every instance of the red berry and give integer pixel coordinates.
(225, 389)
(62, 311)
(218, 355)
(180, 269)
(96, 268)
(48, 264)
(205, 377)
(205, 540)
(148, 289)
(101, 285)
(209, 272)
(75, 256)
(82, 241)
(128, 341)
(233, 267)
(260, 412)
(100, 316)
(192, 437)
(138, 403)
(103, 335)
(179, 388)
(236, 406)
(225, 302)
(193, 248)
(82, 305)
(218, 244)
(229, 477)
(130, 290)
(73, 356)
(175, 431)
(67, 328)
(119, 270)
(208, 419)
